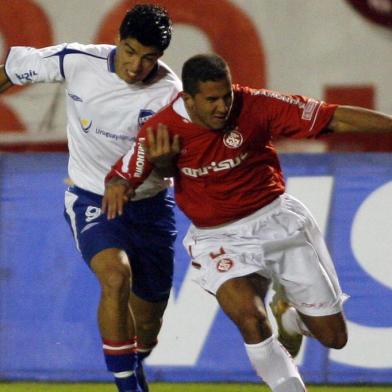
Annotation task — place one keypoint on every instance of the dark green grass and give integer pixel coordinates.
(177, 387)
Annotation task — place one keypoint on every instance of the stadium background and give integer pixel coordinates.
(335, 50)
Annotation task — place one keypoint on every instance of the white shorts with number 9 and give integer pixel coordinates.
(282, 242)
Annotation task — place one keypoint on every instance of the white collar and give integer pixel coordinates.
(179, 108)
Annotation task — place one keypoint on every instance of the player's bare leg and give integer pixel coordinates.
(289, 324)
(115, 319)
(148, 318)
(112, 269)
(331, 330)
(237, 298)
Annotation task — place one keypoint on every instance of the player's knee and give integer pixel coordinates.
(335, 340)
(115, 282)
(148, 325)
(112, 270)
(254, 326)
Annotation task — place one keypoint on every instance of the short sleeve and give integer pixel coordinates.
(26, 65)
(297, 116)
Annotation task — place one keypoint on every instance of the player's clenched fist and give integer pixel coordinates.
(118, 191)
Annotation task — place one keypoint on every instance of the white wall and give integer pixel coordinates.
(307, 44)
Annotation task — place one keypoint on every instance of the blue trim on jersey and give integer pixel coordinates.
(111, 65)
(66, 51)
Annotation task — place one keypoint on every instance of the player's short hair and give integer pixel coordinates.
(203, 68)
(150, 24)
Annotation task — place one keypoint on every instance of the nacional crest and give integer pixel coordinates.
(144, 116)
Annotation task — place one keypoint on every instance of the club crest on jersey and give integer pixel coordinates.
(224, 265)
(144, 116)
(85, 124)
(233, 138)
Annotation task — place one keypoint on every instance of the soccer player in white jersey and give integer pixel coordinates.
(110, 92)
(245, 229)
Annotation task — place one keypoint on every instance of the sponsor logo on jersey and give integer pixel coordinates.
(113, 136)
(26, 75)
(224, 265)
(85, 124)
(233, 139)
(140, 159)
(75, 97)
(144, 116)
(280, 97)
(215, 166)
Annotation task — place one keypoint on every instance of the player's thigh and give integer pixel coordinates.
(152, 263)
(153, 232)
(301, 262)
(94, 234)
(238, 297)
(111, 262)
(306, 283)
(330, 330)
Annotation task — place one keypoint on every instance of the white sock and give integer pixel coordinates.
(293, 323)
(123, 374)
(275, 366)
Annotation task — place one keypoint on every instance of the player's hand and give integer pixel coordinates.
(160, 151)
(118, 191)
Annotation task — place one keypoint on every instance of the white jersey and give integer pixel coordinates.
(104, 113)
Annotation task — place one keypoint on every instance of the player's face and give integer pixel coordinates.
(134, 61)
(210, 107)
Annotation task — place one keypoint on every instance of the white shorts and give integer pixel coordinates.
(282, 242)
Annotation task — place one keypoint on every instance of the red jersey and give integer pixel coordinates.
(228, 174)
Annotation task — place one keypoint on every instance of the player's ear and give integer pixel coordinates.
(117, 39)
(188, 99)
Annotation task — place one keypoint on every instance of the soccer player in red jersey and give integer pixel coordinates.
(246, 231)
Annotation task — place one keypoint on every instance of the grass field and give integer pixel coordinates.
(176, 387)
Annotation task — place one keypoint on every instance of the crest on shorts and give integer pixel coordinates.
(233, 138)
(223, 265)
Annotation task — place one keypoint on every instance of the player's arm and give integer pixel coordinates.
(118, 191)
(161, 151)
(125, 176)
(351, 118)
(5, 83)
(153, 149)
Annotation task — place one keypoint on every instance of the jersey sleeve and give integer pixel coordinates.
(297, 116)
(26, 65)
(133, 166)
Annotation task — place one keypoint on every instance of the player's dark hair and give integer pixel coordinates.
(203, 68)
(150, 24)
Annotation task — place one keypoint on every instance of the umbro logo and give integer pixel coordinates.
(75, 97)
